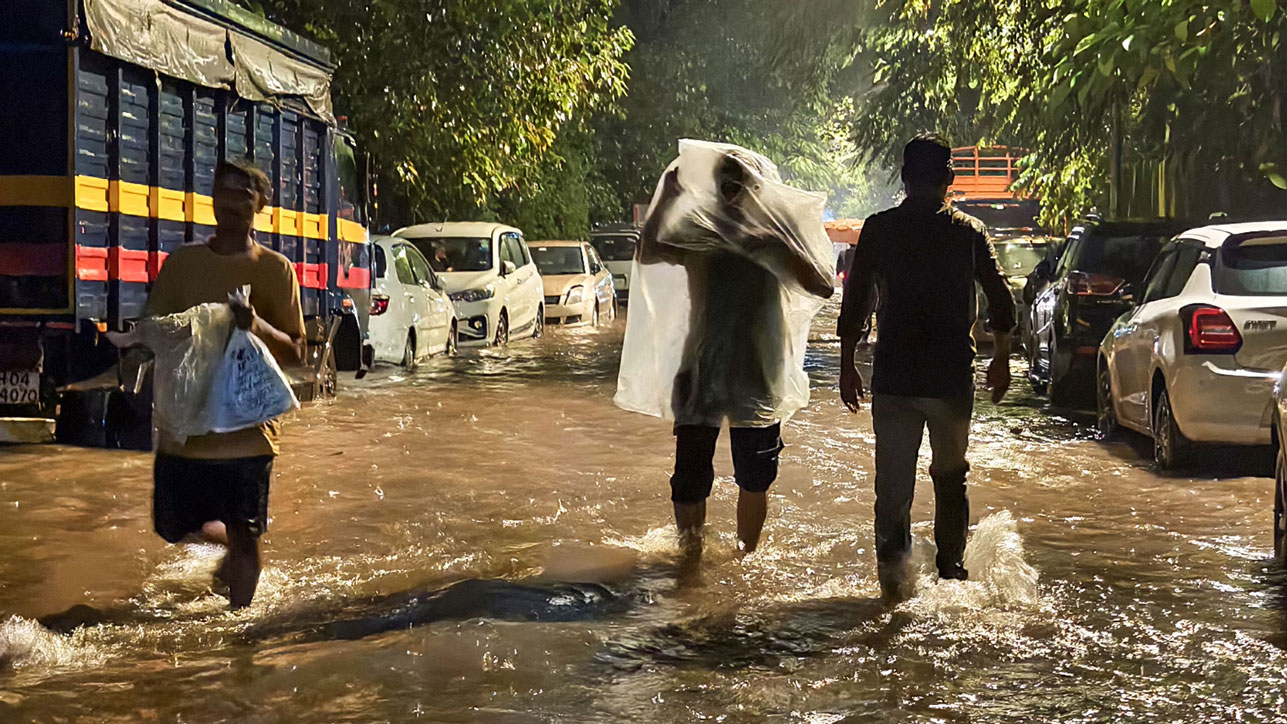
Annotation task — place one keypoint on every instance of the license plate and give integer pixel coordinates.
(19, 387)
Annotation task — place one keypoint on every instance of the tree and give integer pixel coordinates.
(460, 102)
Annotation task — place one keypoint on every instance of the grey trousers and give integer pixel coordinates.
(899, 423)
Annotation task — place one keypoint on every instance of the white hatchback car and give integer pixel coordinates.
(489, 274)
(578, 288)
(1197, 359)
(411, 316)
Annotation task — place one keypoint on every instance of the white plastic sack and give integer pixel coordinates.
(188, 348)
(249, 387)
(720, 309)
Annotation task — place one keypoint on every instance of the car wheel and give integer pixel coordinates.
(502, 330)
(1106, 419)
(1280, 499)
(453, 341)
(539, 328)
(1168, 442)
(409, 351)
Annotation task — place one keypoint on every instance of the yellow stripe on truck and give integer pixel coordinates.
(123, 197)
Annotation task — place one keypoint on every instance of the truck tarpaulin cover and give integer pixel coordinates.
(721, 301)
(159, 36)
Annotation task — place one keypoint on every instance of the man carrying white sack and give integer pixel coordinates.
(215, 486)
(732, 265)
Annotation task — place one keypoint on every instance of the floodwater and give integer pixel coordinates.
(1100, 591)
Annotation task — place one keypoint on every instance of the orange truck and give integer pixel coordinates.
(984, 189)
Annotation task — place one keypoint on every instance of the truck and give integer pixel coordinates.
(984, 189)
(115, 113)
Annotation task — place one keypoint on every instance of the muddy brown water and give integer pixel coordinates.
(1101, 591)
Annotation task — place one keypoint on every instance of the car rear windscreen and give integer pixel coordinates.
(1255, 266)
(614, 248)
(1124, 257)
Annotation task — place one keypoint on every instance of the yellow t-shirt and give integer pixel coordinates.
(196, 274)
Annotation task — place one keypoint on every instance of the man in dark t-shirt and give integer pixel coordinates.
(921, 259)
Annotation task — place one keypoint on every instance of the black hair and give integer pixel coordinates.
(927, 159)
(257, 178)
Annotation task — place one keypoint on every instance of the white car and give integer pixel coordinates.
(578, 288)
(411, 316)
(489, 274)
(617, 250)
(1197, 358)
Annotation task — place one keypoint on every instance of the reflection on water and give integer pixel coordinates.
(1100, 591)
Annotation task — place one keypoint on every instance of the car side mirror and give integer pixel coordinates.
(1127, 293)
(1043, 270)
(507, 268)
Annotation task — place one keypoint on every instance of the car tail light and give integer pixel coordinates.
(1209, 330)
(379, 303)
(1093, 285)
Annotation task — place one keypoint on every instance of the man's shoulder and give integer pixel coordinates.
(274, 259)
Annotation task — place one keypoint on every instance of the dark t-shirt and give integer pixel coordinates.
(733, 355)
(917, 264)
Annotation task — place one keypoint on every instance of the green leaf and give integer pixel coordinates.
(1277, 179)
(1182, 30)
(1126, 44)
(1264, 9)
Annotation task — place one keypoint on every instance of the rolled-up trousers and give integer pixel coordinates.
(899, 423)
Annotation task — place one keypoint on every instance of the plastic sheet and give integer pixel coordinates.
(188, 348)
(732, 267)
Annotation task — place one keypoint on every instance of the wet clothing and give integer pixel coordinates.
(196, 274)
(189, 493)
(899, 424)
(922, 259)
(755, 460)
(733, 354)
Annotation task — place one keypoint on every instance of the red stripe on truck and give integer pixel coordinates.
(128, 265)
(92, 263)
(311, 276)
(356, 278)
(33, 260)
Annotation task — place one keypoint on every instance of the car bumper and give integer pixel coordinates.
(476, 322)
(1217, 402)
(569, 314)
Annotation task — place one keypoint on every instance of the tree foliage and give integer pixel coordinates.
(461, 101)
(1194, 88)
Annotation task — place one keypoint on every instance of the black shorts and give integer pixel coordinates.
(755, 460)
(189, 493)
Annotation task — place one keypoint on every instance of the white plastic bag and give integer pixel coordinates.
(249, 387)
(719, 318)
(188, 348)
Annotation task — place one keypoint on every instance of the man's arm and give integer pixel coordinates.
(652, 251)
(1001, 321)
(283, 331)
(856, 307)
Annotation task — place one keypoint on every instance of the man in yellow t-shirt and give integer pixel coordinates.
(216, 485)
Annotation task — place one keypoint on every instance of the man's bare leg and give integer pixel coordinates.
(240, 569)
(752, 509)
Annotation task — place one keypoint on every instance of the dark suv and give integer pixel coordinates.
(1094, 282)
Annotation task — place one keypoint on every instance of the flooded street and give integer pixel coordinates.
(1100, 590)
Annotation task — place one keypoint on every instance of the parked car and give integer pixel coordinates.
(616, 247)
(411, 315)
(1036, 282)
(578, 287)
(1096, 280)
(1197, 359)
(488, 272)
(1017, 256)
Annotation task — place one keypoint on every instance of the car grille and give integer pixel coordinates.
(553, 300)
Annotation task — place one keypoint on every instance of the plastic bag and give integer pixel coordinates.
(249, 387)
(188, 348)
(720, 310)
